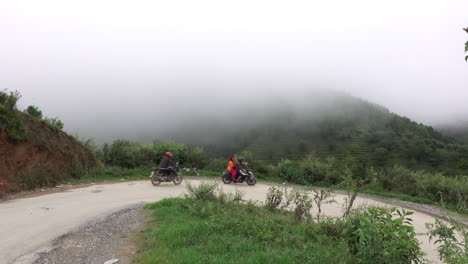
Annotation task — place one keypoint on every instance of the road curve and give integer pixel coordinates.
(30, 225)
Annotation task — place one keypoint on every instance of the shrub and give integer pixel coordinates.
(55, 123)
(332, 227)
(400, 179)
(291, 171)
(320, 197)
(313, 169)
(34, 112)
(274, 198)
(452, 240)
(37, 177)
(9, 98)
(129, 154)
(216, 165)
(381, 235)
(13, 124)
(302, 204)
(10, 119)
(258, 166)
(204, 191)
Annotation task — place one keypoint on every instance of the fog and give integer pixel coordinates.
(137, 69)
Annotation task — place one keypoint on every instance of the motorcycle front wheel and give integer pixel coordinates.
(177, 180)
(251, 181)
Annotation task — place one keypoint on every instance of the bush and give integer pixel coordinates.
(10, 119)
(313, 169)
(452, 240)
(55, 123)
(259, 167)
(400, 179)
(433, 186)
(129, 154)
(302, 204)
(203, 192)
(274, 198)
(332, 227)
(291, 171)
(9, 98)
(37, 177)
(34, 112)
(381, 235)
(216, 165)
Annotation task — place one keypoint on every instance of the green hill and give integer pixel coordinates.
(331, 124)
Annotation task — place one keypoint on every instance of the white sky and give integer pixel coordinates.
(87, 61)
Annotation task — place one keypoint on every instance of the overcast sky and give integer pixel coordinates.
(102, 63)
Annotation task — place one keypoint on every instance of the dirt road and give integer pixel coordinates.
(30, 225)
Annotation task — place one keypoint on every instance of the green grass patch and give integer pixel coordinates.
(400, 196)
(194, 231)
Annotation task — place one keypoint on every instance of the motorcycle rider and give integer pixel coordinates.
(239, 165)
(166, 163)
(231, 168)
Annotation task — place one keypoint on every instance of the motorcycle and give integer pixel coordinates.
(244, 174)
(159, 175)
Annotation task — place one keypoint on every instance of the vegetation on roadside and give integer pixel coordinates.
(210, 226)
(10, 119)
(384, 140)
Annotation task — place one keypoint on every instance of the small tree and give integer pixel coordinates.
(9, 98)
(34, 111)
(322, 196)
(466, 45)
(354, 181)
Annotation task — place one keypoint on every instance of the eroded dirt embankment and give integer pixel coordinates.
(47, 156)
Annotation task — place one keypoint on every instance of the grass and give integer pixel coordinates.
(194, 231)
(400, 196)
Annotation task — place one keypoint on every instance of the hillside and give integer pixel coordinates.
(331, 125)
(34, 153)
(458, 131)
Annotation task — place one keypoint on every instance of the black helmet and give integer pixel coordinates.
(240, 159)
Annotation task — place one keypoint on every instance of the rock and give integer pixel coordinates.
(112, 261)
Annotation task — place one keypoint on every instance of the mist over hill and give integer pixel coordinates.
(326, 123)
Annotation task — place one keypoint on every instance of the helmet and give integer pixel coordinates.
(240, 159)
(168, 154)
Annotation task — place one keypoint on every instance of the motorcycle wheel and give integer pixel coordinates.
(251, 181)
(227, 179)
(155, 180)
(177, 180)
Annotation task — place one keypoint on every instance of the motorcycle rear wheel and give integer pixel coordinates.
(177, 180)
(227, 179)
(155, 180)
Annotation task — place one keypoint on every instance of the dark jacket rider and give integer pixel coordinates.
(167, 162)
